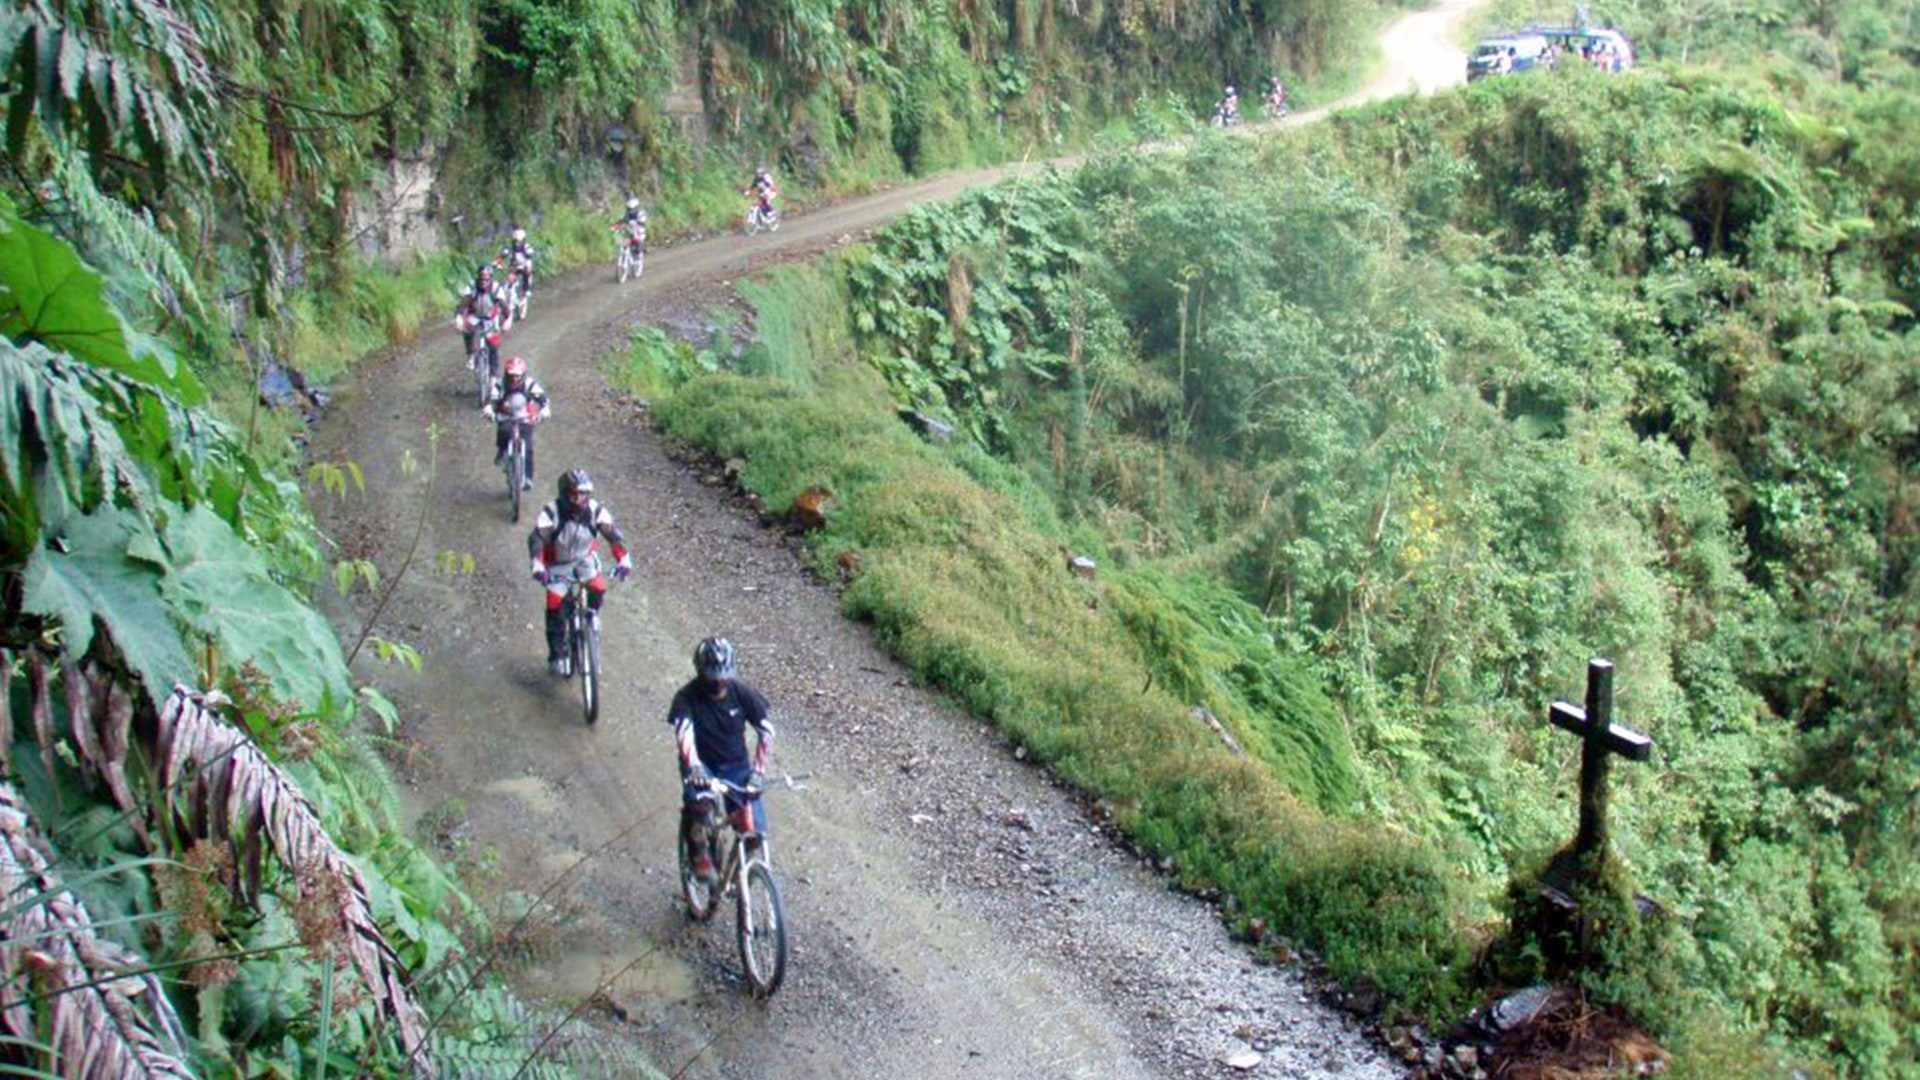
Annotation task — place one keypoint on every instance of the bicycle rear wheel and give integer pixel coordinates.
(586, 661)
(761, 927)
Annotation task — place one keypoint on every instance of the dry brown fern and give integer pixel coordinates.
(58, 980)
(219, 785)
(214, 784)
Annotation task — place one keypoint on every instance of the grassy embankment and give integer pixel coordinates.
(962, 568)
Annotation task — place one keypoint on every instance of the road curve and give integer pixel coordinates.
(954, 914)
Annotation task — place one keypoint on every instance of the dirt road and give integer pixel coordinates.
(952, 912)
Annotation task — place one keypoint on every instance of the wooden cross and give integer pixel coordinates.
(1602, 738)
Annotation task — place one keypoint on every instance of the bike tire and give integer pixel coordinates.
(760, 928)
(516, 473)
(586, 664)
(702, 897)
(482, 375)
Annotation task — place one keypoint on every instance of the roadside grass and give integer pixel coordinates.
(959, 564)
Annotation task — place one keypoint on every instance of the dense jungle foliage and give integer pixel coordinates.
(193, 193)
(1427, 406)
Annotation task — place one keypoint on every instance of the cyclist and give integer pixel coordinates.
(567, 531)
(710, 716)
(1276, 96)
(632, 225)
(517, 248)
(512, 393)
(1230, 105)
(762, 189)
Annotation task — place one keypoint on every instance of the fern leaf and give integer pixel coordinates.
(245, 794)
(104, 1016)
(125, 232)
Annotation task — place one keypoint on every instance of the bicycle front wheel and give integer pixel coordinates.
(761, 929)
(586, 663)
(516, 475)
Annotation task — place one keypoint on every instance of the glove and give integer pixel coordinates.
(487, 411)
(622, 568)
(757, 780)
(540, 572)
(698, 776)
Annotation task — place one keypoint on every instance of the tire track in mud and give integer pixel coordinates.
(953, 913)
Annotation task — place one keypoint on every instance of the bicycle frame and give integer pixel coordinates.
(733, 867)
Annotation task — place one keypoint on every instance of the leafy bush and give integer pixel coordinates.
(1461, 392)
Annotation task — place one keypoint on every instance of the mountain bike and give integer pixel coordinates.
(582, 647)
(762, 215)
(484, 361)
(632, 258)
(520, 286)
(746, 874)
(514, 461)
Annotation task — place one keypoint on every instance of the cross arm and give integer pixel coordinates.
(1568, 717)
(1624, 741)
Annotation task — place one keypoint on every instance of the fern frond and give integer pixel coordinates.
(101, 1018)
(86, 73)
(123, 231)
(215, 779)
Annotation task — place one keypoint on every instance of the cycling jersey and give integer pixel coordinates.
(713, 731)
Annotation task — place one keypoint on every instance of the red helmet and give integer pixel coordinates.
(516, 367)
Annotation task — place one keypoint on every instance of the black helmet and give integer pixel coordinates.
(573, 481)
(713, 659)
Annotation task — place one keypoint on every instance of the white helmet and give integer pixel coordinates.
(519, 235)
(633, 204)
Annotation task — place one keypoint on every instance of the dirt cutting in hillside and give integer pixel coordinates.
(952, 912)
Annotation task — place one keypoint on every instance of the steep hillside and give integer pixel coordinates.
(1429, 407)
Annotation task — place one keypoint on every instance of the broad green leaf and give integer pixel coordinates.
(48, 295)
(107, 566)
(220, 586)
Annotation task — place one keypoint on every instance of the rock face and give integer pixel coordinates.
(397, 217)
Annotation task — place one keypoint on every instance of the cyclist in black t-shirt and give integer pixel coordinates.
(710, 716)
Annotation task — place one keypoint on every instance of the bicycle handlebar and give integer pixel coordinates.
(721, 785)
